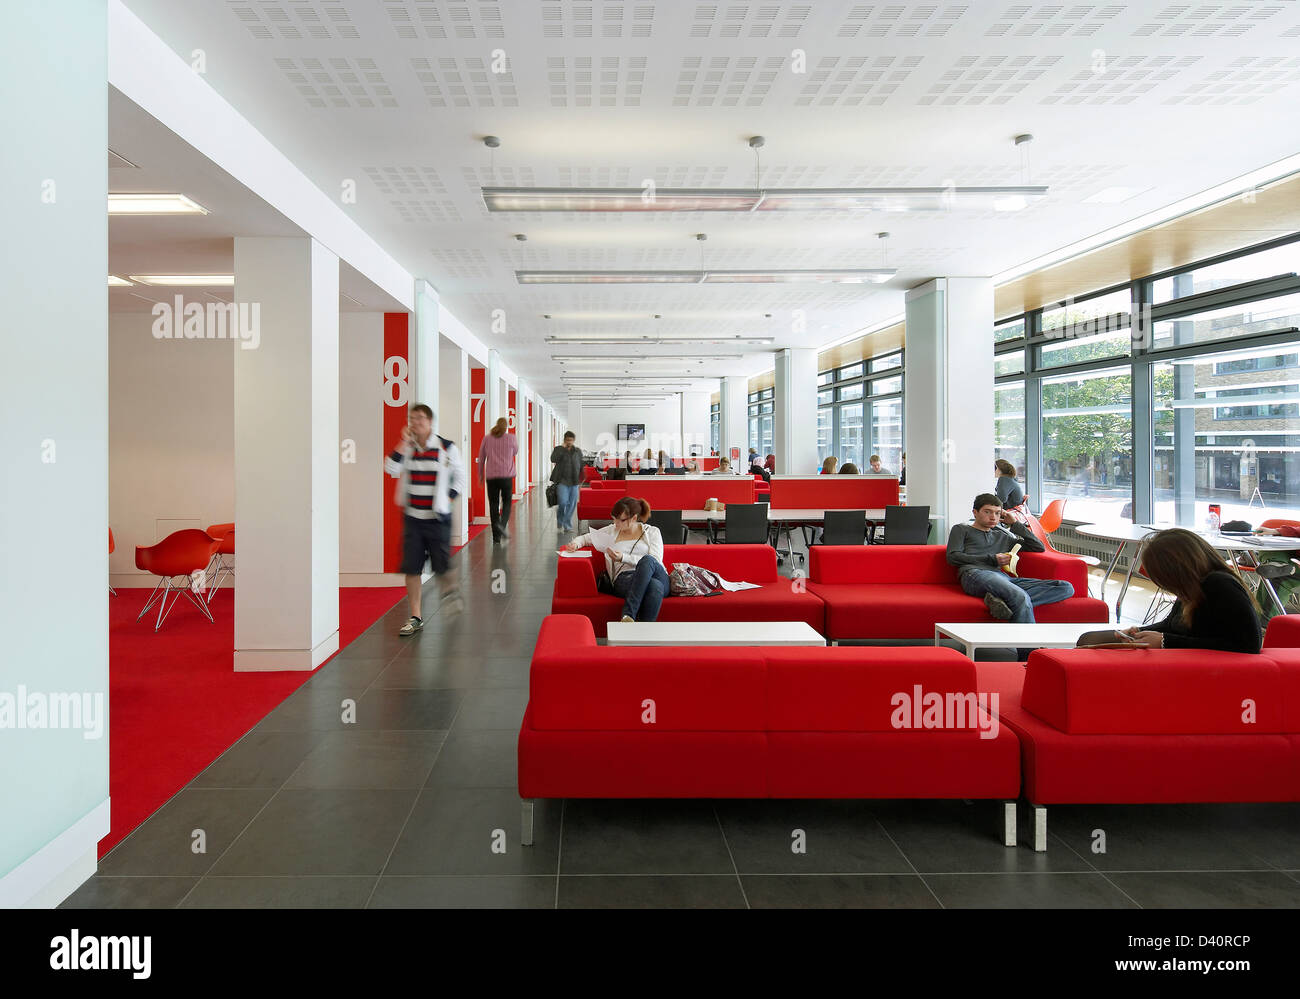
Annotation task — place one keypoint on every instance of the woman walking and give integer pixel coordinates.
(634, 558)
(496, 469)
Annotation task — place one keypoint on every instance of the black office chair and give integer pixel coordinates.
(907, 525)
(679, 470)
(746, 524)
(648, 471)
(844, 527)
(670, 526)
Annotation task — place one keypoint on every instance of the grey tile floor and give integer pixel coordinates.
(415, 805)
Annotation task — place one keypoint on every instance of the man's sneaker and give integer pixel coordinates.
(505, 534)
(628, 620)
(998, 607)
(452, 604)
(1276, 570)
(411, 626)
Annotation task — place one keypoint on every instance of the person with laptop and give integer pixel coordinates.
(981, 552)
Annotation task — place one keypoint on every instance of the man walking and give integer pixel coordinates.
(567, 476)
(430, 475)
(980, 550)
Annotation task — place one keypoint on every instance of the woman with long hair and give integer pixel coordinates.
(634, 558)
(829, 465)
(1213, 608)
(1007, 488)
(496, 469)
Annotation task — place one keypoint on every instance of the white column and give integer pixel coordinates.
(794, 431)
(695, 422)
(453, 423)
(496, 391)
(425, 384)
(287, 456)
(574, 424)
(733, 430)
(55, 445)
(521, 430)
(949, 396)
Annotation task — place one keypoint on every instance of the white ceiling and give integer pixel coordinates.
(1166, 99)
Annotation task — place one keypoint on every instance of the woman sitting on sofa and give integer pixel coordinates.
(1213, 609)
(634, 557)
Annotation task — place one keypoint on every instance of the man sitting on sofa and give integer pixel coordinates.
(980, 550)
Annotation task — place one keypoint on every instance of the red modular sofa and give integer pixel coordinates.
(903, 591)
(596, 500)
(833, 492)
(751, 722)
(776, 599)
(1154, 725)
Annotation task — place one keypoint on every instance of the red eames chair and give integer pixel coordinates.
(223, 559)
(179, 555)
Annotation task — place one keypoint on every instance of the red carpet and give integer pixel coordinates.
(175, 704)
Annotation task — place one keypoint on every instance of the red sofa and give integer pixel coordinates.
(596, 500)
(1153, 725)
(751, 722)
(833, 492)
(903, 591)
(776, 598)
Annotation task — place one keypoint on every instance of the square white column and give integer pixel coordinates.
(949, 396)
(287, 456)
(695, 422)
(794, 433)
(733, 430)
(425, 383)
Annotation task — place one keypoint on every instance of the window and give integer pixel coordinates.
(715, 424)
(1087, 442)
(1256, 363)
(850, 449)
(826, 377)
(1279, 260)
(1109, 307)
(852, 391)
(851, 371)
(1072, 350)
(1013, 329)
(1009, 364)
(887, 386)
(1009, 424)
(1229, 323)
(1214, 443)
(887, 363)
(824, 421)
(887, 434)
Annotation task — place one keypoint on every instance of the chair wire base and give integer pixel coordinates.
(174, 591)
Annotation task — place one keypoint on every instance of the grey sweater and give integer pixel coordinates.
(970, 548)
(1009, 492)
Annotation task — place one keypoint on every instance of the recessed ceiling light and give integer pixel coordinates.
(186, 280)
(634, 199)
(153, 204)
(116, 282)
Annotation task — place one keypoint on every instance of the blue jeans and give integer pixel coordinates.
(642, 588)
(1020, 594)
(568, 503)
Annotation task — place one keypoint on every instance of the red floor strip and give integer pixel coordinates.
(175, 704)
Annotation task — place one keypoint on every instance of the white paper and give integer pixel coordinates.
(581, 554)
(599, 541)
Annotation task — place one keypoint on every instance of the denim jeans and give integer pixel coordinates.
(568, 503)
(642, 588)
(1020, 594)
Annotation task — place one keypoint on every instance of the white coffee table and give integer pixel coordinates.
(712, 633)
(1008, 635)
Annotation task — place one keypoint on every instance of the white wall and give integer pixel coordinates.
(663, 426)
(361, 420)
(171, 439)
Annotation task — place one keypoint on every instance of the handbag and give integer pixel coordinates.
(552, 495)
(692, 581)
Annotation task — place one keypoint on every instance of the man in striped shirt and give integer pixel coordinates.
(430, 476)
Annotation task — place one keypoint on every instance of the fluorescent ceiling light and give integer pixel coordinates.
(635, 199)
(1114, 195)
(593, 359)
(607, 316)
(153, 204)
(856, 276)
(116, 282)
(187, 280)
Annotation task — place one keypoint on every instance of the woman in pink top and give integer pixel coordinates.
(496, 468)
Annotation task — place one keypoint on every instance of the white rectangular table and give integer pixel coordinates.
(1008, 635)
(713, 633)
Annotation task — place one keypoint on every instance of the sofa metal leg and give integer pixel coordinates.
(1040, 828)
(527, 838)
(1009, 830)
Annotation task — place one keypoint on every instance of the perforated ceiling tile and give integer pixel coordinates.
(595, 81)
(767, 20)
(722, 81)
(1208, 20)
(413, 19)
(900, 20)
(882, 176)
(690, 176)
(586, 176)
(850, 81)
(993, 79)
(602, 20)
(786, 175)
(463, 83)
(338, 83)
(464, 264)
(294, 19)
(1052, 21)
(1244, 81)
(1122, 81)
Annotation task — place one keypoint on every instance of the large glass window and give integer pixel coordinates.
(1009, 364)
(715, 424)
(1279, 260)
(851, 442)
(824, 420)
(1009, 424)
(1226, 436)
(1013, 329)
(1087, 442)
(1106, 307)
(1229, 323)
(887, 434)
